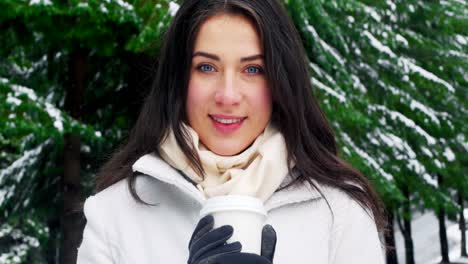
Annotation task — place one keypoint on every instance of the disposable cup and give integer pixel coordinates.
(246, 214)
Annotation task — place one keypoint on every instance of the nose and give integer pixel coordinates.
(228, 91)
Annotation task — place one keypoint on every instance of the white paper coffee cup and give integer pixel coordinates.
(246, 214)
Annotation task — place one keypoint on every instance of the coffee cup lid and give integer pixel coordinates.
(233, 203)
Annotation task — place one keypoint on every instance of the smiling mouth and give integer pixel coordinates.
(227, 121)
(227, 125)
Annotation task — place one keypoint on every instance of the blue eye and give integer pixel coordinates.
(254, 70)
(206, 68)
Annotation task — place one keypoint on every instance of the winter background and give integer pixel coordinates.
(391, 76)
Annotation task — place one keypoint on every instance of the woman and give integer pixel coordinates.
(231, 111)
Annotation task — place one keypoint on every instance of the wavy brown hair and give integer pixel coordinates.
(309, 138)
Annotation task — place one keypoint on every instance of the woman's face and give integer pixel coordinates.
(228, 101)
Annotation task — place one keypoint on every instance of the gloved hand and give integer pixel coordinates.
(206, 243)
(267, 251)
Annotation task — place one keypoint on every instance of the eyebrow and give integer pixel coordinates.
(215, 57)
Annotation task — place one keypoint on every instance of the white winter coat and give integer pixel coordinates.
(119, 230)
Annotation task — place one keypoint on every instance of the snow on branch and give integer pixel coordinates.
(328, 90)
(331, 50)
(405, 63)
(19, 168)
(54, 113)
(402, 151)
(395, 115)
(373, 163)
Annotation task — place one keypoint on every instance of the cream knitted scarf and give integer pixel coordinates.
(257, 171)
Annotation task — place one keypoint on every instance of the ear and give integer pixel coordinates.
(268, 242)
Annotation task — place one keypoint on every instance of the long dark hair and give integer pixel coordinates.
(309, 139)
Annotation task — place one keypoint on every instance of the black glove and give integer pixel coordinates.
(267, 251)
(206, 243)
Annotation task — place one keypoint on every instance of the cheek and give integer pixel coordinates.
(196, 97)
(261, 99)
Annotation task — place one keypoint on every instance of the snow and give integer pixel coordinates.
(457, 54)
(17, 252)
(316, 69)
(85, 148)
(424, 73)
(325, 45)
(462, 141)
(425, 231)
(449, 13)
(396, 142)
(407, 65)
(392, 5)
(461, 39)
(378, 45)
(405, 120)
(19, 166)
(425, 109)
(416, 105)
(372, 139)
(439, 164)
(103, 8)
(23, 90)
(13, 100)
(372, 162)
(328, 90)
(346, 150)
(55, 114)
(448, 153)
(402, 151)
(39, 2)
(430, 180)
(427, 152)
(2, 197)
(124, 4)
(333, 52)
(371, 11)
(401, 39)
(173, 8)
(358, 84)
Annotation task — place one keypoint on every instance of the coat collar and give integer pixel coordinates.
(154, 166)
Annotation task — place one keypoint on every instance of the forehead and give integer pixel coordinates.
(228, 33)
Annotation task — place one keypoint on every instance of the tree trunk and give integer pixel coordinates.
(462, 224)
(53, 243)
(406, 227)
(442, 228)
(72, 221)
(390, 240)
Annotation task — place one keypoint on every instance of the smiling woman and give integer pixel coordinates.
(231, 114)
(229, 101)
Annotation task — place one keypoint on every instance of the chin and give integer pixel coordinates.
(227, 150)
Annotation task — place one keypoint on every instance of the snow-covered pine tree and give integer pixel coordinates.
(391, 76)
(73, 74)
(392, 79)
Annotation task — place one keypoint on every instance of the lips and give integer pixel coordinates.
(228, 126)
(220, 116)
